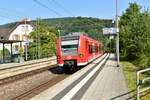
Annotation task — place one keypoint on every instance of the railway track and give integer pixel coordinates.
(12, 79)
(20, 71)
(27, 95)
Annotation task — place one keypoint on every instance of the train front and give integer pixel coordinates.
(67, 52)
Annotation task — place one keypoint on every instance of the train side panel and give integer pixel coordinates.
(82, 51)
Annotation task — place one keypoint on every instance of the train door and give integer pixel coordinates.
(90, 56)
(93, 49)
(87, 50)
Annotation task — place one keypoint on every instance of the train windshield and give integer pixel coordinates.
(69, 47)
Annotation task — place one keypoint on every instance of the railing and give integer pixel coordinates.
(141, 82)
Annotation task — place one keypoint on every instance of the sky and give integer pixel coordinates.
(15, 10)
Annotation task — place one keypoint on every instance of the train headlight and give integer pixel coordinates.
(81, 55)
(58, 57)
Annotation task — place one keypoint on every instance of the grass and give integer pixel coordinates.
(130, 74)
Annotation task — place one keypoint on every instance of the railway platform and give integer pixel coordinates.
(107, 83)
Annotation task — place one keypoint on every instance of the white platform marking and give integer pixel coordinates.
(75, 89)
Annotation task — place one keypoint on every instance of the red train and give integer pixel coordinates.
(77, 50)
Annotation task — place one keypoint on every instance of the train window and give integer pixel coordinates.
(69, 47)
(102, 47)
(86, 43)
(93, 49)
(99, 48)
(90, 49)
(96, 48)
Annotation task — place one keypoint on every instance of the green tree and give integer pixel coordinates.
(135, 34)
(47, 41)
(6, 51)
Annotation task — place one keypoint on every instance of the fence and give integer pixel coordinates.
(141, 82)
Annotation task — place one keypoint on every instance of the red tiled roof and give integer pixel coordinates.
(4, 33)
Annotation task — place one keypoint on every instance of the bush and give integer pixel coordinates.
(6, 51)
(143, 61)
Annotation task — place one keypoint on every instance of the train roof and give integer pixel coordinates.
(73, 36)
(76, 36)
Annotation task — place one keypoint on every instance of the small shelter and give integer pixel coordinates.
(9, 42)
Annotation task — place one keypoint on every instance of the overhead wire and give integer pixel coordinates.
(4, 14)
(61, 6)
(10, 10)
(10, 14)
(45, 6)
(6, 17)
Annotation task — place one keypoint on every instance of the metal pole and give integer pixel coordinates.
(11, 51)
(117, 40)
(39, 53)
(21, 51)
(36, 39)
(3, 53)
(26, 51)
(137, 90)
(59, 33)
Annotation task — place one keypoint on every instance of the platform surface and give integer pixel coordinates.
(106, 84)
(110, 83)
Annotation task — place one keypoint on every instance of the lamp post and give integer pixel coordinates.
(59, 32)
(117, 40)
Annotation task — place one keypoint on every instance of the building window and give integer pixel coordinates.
(16, 37)
(16, 47)
(24, 37)
(25, 28)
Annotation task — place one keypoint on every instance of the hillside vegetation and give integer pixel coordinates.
(91, 26)
(45, 45)
(48, 33)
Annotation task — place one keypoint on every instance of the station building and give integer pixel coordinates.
(17, 33)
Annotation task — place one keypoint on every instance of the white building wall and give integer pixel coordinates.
(22, 30)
